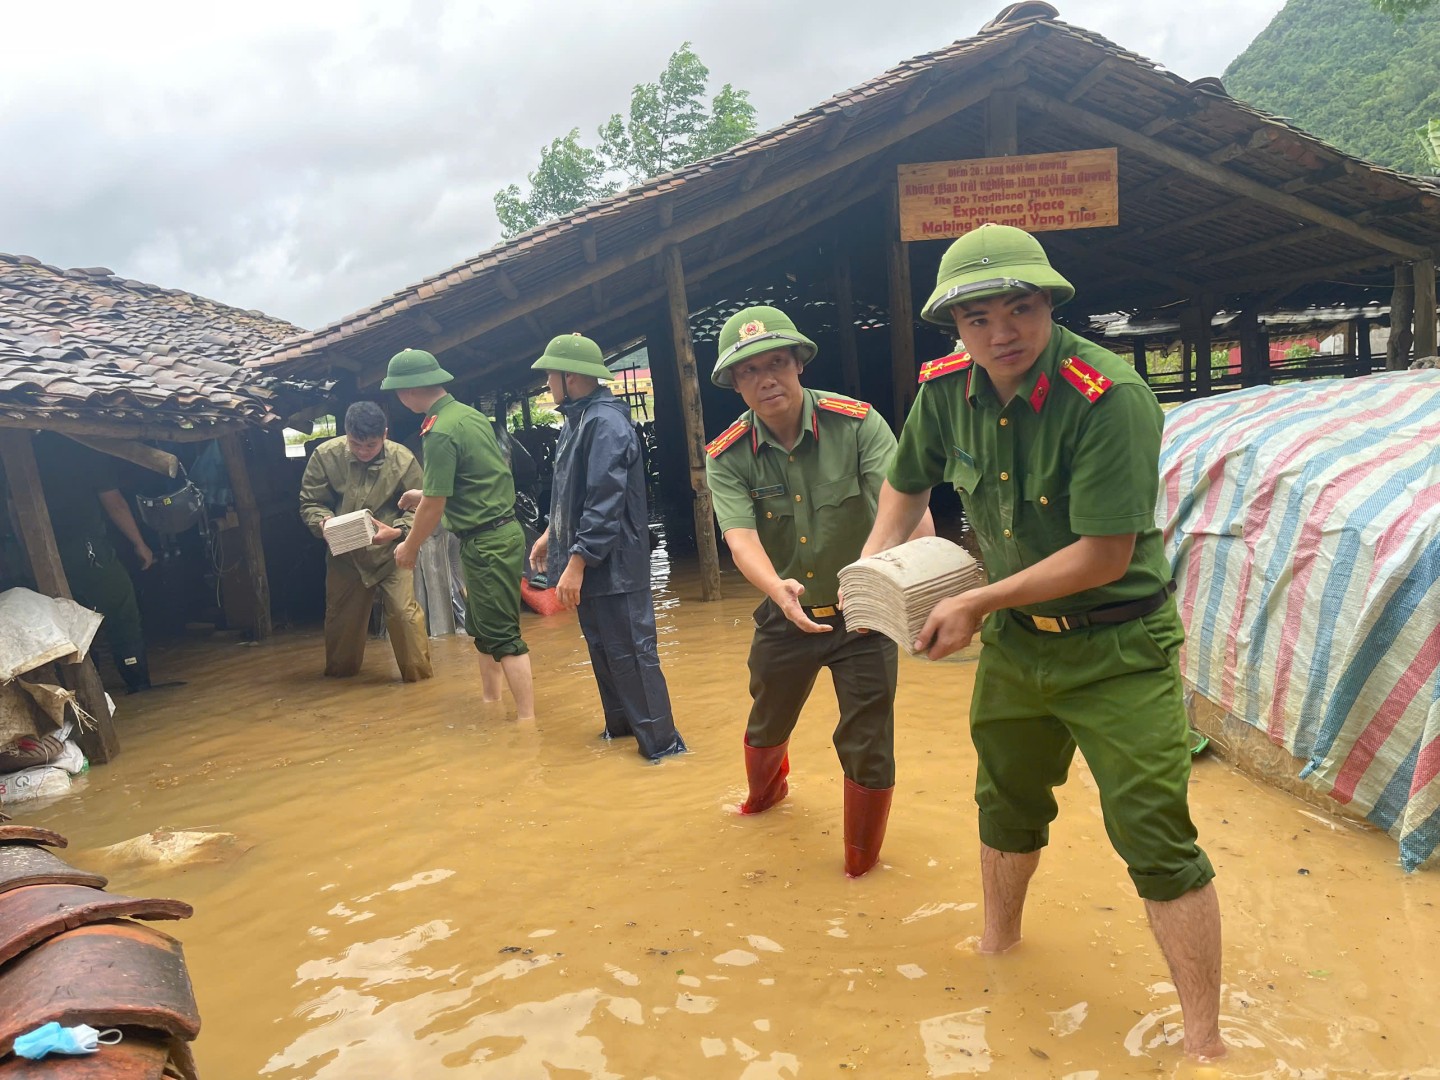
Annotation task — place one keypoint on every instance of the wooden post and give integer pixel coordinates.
(1364, 359)
(1203, 361)
(1141, 360)
(843, 291)
(1187, 355)
(1402, 306)
(1423, 273)
(27, 495)
(525, 411)
(902, 319)
(232, 449)
(1251, 363)
(694, 423)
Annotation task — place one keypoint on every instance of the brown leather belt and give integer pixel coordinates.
(825, 611)
(1109, 615)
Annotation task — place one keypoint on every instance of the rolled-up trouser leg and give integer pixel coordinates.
(347, 618)
(405, 623)
(620, 631)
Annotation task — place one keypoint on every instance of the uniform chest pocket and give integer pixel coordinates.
(774, 508)
(963, 474)
(1047, 508)
(835, 493)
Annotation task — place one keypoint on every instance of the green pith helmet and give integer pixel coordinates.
(991, 261)
(414, 368)
(755, 330)
(575, 354)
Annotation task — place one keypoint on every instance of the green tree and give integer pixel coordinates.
(569, 175)
(1400, 9)
(669, 124)
(1430, 139)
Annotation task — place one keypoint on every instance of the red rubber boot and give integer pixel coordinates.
(866, 812)
(766, 767)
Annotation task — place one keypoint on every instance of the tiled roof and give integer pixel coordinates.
(88, 345)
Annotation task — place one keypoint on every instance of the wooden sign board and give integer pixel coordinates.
(940, 200)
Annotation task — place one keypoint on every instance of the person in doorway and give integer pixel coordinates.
(364, 470)
(1053, 444)
(467, 482)
(82, 491)
(795, 482)
(596, 548)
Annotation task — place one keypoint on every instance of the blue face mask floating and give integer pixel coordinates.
(51, 1038)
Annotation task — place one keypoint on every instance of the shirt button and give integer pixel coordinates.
(1007, 534)
(792, 457)
(804, 540)
(1044, 501)
(809, 573)
(769, 514)
(797, 498)
(1004, 420)
(1004, 476)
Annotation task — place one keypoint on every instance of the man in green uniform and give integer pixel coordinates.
(795, 482)
(364, 470)
(1053, 444)
(82, 491)
(467, 482)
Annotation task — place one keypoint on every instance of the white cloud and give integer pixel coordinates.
(309, 156)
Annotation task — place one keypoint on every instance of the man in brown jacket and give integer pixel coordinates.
(363, 470)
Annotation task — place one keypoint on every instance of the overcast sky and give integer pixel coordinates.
(307, 157)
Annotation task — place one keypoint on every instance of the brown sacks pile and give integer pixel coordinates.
(72, 953)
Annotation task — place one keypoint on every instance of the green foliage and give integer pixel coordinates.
(538, 418)
(1350, 74)
(1300, 350)
(1430, 140)
(669, 125)
(1399, 10)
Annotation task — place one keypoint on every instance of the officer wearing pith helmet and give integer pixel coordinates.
(795, 482)
(597, 545)
(1053, 444)
(468, 484)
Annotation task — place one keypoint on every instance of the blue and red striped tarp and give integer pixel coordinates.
(1303, 525)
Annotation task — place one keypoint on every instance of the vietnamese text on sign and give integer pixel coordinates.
(940, 200)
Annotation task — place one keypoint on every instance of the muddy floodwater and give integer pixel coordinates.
(421, 887)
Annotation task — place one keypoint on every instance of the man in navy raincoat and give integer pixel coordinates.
(596, 551)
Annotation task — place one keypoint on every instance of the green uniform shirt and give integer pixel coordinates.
(464, 464)
(1047, 468)
(812, 504)
(335, 482)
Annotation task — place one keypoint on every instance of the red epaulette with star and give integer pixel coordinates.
(1084, 378)
(857, 410)
(933, 369)
(427, 425)
(726, 438)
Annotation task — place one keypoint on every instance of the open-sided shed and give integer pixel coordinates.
(112, 361)
(1219, 207)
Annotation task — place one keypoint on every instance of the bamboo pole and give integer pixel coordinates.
(679, 309)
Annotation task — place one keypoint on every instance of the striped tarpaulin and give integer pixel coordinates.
(1303, 525)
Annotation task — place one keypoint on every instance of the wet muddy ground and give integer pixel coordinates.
(423, 887)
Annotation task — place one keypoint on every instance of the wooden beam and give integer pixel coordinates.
(1423, 273)
(587, 241)
(1083, 85)
(425, 322)
(840, 127)
(1206, 257)
(1002, 130)
(232, 449)
(120, 428)
(843, 292)
(922, 86)
(752, 175)
(1315, 178)
(1255, 282)
(902, 316)
(1402, 308)
(665, 212)
(679, 311)
(1100, 127)
(1260, 137)
(32, 522)
(533, 325)
(1145, 234)
(723, 214)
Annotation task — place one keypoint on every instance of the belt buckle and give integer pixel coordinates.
(823, 612)
(1047, 624)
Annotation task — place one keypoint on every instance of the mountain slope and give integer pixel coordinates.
(1342, 71)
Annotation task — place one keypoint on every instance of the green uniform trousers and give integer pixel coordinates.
(493, 561)
(1115, 692)
(347, 620)
(784, 663)
(106, 587)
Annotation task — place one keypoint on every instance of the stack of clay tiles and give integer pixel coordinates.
(894, 591)
(72, 953)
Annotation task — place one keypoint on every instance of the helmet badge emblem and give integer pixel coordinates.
(753, 328)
